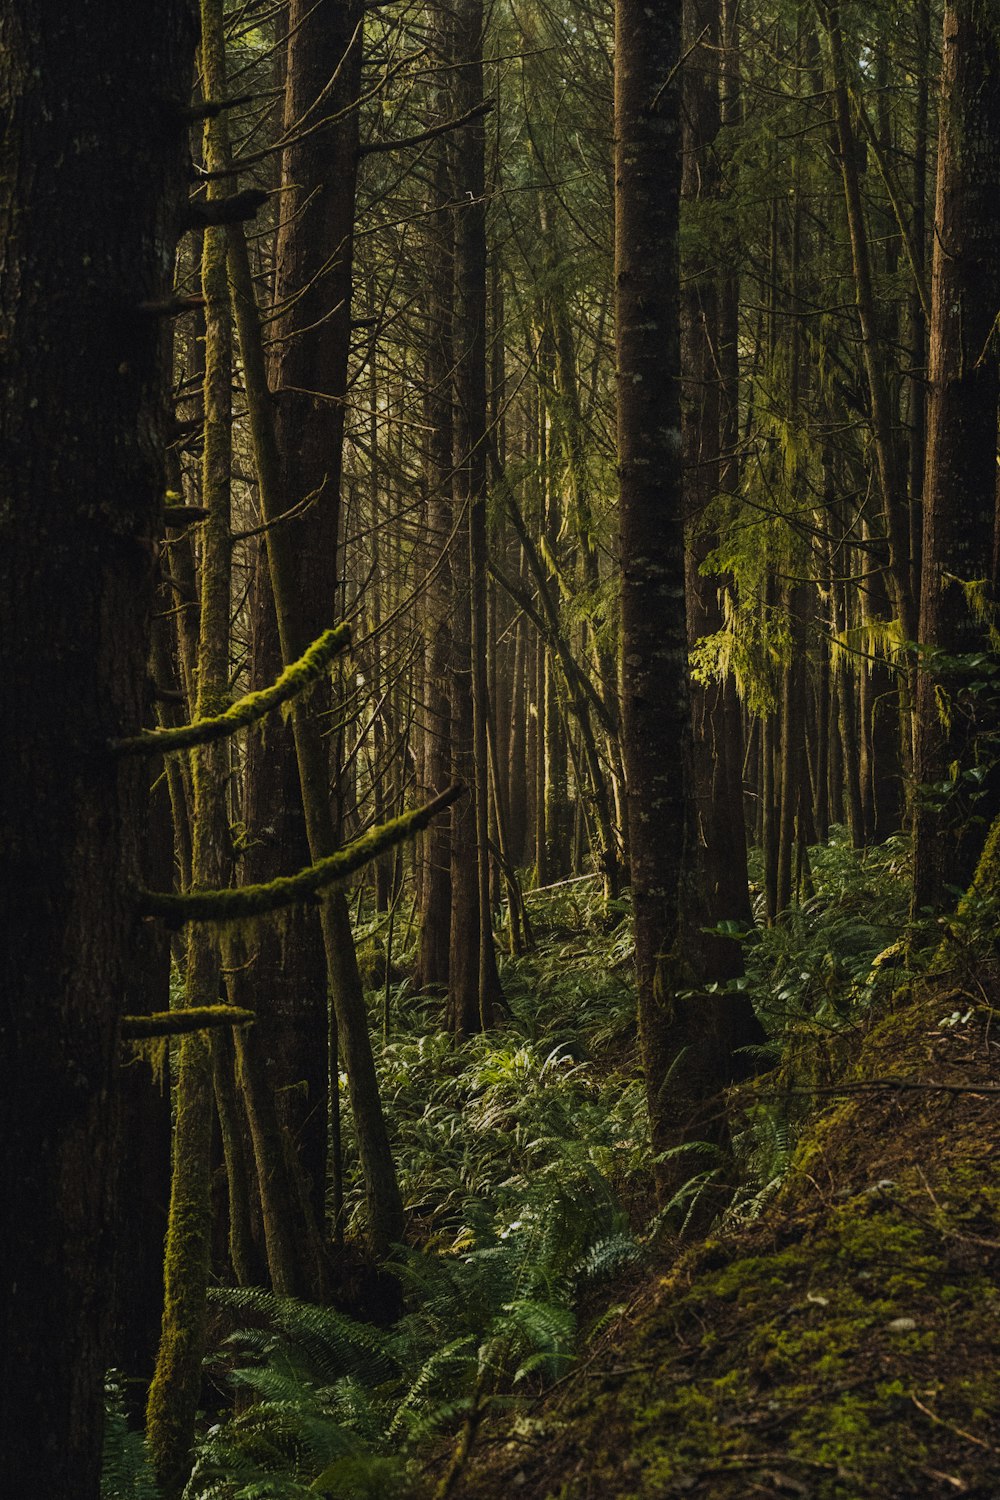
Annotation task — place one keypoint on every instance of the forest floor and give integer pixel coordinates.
(562, 1338)
(843, 1346)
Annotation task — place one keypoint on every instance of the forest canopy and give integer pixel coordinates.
(500, 824)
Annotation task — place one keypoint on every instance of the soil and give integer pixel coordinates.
(845, 1346)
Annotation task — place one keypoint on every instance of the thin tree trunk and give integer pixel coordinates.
(435, 904)
(298, 453)
(174, 1396)
(470, 446)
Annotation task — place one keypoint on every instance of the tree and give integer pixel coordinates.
(92, 181)
(656, 705)
(958, 591)
(473, 980)
(689, 1038)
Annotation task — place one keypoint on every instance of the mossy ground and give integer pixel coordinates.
(846, 1346)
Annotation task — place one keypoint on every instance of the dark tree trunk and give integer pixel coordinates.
(92, 171)
(717, 729)
(474, 979)
(435, 896)
(145, 1171)
(657, 711)
(793, 747)
(961, 485)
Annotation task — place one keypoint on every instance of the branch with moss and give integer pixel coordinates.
(164, 1023)
(297, 676)
(248, 901)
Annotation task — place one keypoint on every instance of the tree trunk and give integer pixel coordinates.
(717, 729)
(470, 501)
(435, 897)
(958, 589)
(872, 340)
(174, 1395)
(298, 453)
(92, 178)
(682, 1095)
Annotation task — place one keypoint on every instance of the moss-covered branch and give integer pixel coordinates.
(250, 901)
(164, 1023)
(296, 676)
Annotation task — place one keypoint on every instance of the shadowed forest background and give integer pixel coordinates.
(500, 813)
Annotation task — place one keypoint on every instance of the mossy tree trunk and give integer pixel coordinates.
(174, 1395)
(298, 453)
(92, 181)
(288, 982)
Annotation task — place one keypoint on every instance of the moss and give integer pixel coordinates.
(788, 1350)
(176, 1022)
(296, 677)
(250, 901)
(174, 1392)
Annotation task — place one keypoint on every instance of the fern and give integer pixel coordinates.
(126, 1471)
(518, 1162)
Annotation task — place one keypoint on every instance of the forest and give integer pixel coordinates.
(500, 703)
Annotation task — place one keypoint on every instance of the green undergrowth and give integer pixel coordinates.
(844, 1346)
(792, 1353)
(818, 976)
(523, 1165)
(550, 1098)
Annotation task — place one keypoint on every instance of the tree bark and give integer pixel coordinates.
(298, 453)
(436, 895)
(717, 728)
(475, 1006)
(92, 174)
(686, 1043)
(960, 489)
(174, 1394)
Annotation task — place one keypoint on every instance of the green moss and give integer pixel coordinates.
(249, 901)
(296, 677)
(176, 1022)
(175, 1389)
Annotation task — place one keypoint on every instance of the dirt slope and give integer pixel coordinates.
(849, 1345)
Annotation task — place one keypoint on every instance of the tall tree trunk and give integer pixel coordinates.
(298, 451)
(717, 730)
(793, 746)
(683, 1097)
(91, 199)
(916, 317)
(436, 896)
(174, 1395)
(958, 592)
(470, 451)
(883, 420)
(145, 1178)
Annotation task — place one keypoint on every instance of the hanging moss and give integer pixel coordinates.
(286, 890)
(297, 676)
